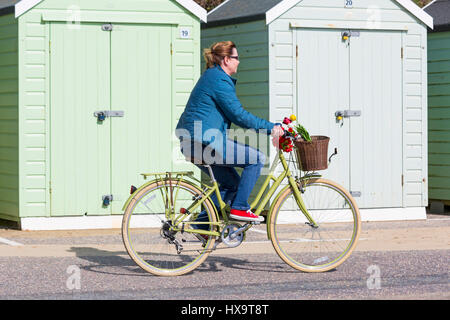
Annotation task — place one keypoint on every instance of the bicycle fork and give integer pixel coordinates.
(301, 204)
(297, 192)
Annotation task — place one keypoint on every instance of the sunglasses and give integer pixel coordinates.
(234, 57)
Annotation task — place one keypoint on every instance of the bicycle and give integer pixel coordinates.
(313, 223)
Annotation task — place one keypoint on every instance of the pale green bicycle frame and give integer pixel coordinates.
(258, 203)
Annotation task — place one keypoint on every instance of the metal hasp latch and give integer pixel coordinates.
(341, 114)
(102, 115)
(348, 113)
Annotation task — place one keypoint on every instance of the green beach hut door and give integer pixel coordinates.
(362, 77)
(141, 86)
(93, 68)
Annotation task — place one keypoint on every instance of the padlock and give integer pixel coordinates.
(101, 116)
(339, 117)
(345, 36)
(107, 200)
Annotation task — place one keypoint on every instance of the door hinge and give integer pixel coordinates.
(296, 51)
(171, 49)
(49, 47)
(401, 53)
(107, 27)
(355, 193)
(403, 180)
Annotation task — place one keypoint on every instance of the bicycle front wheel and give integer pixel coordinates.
(155, 237)
(321, 246)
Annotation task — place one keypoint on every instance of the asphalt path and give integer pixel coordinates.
(394, 260)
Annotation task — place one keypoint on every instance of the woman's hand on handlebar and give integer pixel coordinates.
(277, 131)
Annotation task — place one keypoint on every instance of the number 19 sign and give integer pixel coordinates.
(185, 33)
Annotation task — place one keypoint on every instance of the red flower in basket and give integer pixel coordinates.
(287, 120)
(285, 144)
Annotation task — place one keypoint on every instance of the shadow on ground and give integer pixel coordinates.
(108, 262)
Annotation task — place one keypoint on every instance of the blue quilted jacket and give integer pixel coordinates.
(212, 107)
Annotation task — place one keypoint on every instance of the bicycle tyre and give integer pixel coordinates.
(154, 253)
(310, 249)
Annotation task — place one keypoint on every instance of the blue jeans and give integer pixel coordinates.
(234, 189)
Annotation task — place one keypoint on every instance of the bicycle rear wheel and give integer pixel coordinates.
(148, 229)
(320, 247)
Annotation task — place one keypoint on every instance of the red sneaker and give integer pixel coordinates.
(243, 215)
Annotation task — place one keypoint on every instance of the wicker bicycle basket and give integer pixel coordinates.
(312, 155)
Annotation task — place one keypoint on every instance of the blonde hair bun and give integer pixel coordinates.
(215, 54)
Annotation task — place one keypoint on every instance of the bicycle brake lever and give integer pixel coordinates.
(335, 153)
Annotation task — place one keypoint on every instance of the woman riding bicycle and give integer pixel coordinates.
(210, 110)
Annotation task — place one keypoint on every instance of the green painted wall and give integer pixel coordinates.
(439, 115)
(9, 126)
(251, 40)
(252, 86)
(25, 83)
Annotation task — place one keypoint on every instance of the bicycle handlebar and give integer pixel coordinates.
(288, 134)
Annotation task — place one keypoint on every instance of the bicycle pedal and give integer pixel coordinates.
(216, 244)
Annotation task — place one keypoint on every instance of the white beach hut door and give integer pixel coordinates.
(376, 136)
(361, 77)
(322, 89)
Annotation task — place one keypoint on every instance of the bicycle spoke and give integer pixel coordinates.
(320, 247)
(151, 237)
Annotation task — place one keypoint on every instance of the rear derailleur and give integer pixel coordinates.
(169, 234)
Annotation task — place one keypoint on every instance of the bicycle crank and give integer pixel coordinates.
(233, 235)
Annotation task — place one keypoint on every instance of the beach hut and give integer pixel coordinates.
(439, 105)
(90, 94)
(365, 60)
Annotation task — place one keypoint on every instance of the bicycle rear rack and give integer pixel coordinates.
(174, 175)
(168, 174)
